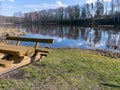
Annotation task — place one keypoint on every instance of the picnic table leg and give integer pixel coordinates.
(37, 57)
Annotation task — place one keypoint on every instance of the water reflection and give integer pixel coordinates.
(80, 37)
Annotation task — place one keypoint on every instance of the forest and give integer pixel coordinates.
(90, 14)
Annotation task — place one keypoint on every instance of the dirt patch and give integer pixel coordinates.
(107, 53)
(16, 74)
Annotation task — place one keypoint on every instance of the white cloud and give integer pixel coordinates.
(80, 44)
(59, 3)
(35, 9)
(8, 7)
(46, 5)
(7, 0)
(11, 0)
(55, 5)
(59, 39)
(107, 0)
(32, 6)
(90, 1)
(2, 0)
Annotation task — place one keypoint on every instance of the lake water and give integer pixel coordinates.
(76, 37)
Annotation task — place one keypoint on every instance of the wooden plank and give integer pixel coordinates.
(30, 39)
(26, 61)
(37, 45)
(5, 63)
(13, 52)
(18, 43)
(37, 57)
(45, 50)
(42, 54)
(18, 51)
(2, 55)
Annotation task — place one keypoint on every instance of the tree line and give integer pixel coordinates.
(98, 13)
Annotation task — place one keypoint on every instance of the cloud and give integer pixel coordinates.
(11, 0)
(59, 40)
(90, 1)
(46, 6)
(2, 0)
(55, 5)
(107, 0)
(80, 44)
(32, 6)
(7, 0)
(59, 3)
(8, 7)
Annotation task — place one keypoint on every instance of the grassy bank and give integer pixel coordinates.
(66, 69)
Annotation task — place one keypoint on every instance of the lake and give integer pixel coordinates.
(76, 37)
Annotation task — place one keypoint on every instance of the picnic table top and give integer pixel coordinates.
(18, 51)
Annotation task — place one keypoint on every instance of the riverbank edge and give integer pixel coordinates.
(9, 32)
(106, 53)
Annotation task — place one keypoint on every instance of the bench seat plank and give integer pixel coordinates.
(45, 50)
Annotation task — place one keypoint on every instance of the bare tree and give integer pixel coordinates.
(99, 9)
(83, 13)
(87, 6)
(77, 12)
(71, 12)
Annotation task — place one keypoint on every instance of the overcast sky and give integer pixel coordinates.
(9, 7)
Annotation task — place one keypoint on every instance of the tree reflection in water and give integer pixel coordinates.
(80, 37)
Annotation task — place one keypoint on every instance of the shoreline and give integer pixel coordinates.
(106, 53)
(11, 32)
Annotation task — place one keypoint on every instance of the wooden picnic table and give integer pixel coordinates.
(16, 56)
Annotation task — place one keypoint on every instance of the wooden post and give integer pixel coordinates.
(18, 43)
(36, 45)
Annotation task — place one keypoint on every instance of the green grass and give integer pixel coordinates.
(68, 69)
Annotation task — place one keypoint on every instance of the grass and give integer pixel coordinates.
(67, 69)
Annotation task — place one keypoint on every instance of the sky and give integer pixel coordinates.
(9, 7)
